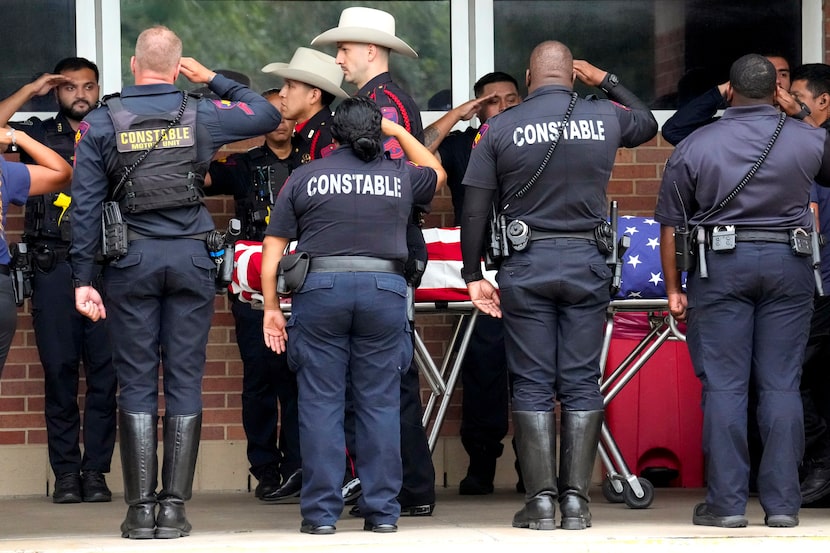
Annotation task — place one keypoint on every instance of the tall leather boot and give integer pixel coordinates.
(535, 434)
(580, 437)
(140, 469)
(181, 445)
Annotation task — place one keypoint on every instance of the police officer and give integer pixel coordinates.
(147, 151)
(63, 336)
(555, 290)
(349, 319)
(811, 88)
(312, 82)
(484, 405)
(365, 38)
(269, 389)
(48, 172)
(748, 308)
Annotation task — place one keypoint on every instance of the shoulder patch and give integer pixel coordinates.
(83, 127)
(227, 104)
(390, 113)
(482, 130)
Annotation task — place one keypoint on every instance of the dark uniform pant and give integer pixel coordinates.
(8, 318)
(65, 338)
(350, 324)
(553, 299)
(160, 306)
(269, 394)
(751, 317)
(485, 403)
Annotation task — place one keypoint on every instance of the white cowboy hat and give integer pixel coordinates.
(367, 26)
(313, 68)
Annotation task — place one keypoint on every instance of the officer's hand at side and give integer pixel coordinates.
(88, 302)
(485, 297)
(677, 305)
(195, 72)
(588, 73)
(273, 330)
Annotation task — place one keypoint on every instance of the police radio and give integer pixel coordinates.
(221, 247)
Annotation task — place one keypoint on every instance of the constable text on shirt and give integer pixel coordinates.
(546, 132)
(374, 185)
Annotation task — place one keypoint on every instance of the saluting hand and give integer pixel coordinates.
(195, 72)
(274, 331)
(46, 82)
(587, 73)
(88, 302)
(485, 297)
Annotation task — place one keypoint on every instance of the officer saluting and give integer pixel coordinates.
(348, 323)
(741, 186)
(149, 150)
(269, 388)
(556, 290)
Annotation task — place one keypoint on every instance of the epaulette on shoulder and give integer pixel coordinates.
(108, 96)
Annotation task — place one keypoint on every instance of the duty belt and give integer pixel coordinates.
(545, 235)
(354, 264)
(753, 235)
(133, 235)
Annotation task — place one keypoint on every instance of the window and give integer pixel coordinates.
(663, 50)
(245, 36)
(43, 33)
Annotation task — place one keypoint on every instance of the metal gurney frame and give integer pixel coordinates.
(620, 484)
(440, 382)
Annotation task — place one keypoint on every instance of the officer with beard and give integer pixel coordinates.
(64, 337)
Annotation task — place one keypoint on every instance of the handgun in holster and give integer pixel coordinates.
(22, 271)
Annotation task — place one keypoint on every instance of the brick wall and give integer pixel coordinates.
(634, 183)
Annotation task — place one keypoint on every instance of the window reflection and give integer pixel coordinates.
(666, 51)
(245, 36)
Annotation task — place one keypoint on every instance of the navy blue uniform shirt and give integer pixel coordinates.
(341, 205)
(455, 152)
(246, 114)
(570, 194)
(697, 113)
(707, 165)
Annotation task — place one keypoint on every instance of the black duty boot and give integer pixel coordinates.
(535, 434)
(482, 469)
(580, 437)
(140, 469)
(290, 489)
(181, 445)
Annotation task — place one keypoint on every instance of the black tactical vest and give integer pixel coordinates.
(42, 218)
(169, 175)
(268, 173)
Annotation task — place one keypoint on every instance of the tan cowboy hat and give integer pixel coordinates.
(367, 26)
(312, 68)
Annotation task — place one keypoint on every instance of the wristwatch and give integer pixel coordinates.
(609, 82)
(805, 111)
(78, 283)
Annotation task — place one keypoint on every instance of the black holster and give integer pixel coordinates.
(291, 272)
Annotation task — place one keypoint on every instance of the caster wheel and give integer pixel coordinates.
(634, 502)
(610, 494)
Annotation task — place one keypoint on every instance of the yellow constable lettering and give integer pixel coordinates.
(144, 139)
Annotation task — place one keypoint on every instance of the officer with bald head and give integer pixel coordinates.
(554, 284)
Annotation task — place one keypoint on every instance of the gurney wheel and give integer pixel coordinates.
(634, 502)
(610, 494)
